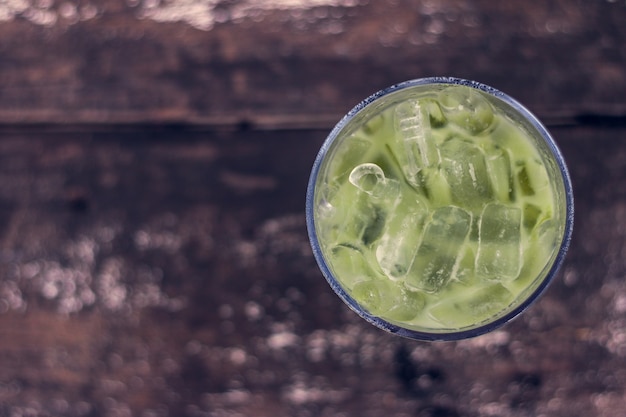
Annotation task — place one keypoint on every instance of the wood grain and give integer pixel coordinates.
(154, 259)
(560, 59)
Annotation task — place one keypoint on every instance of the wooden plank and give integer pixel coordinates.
(269, 64)
(154, 259)
(168, 272)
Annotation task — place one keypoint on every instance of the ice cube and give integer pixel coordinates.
(327, 214)
(388, 299)
(467, 308)
(499, 243)
(531, 177)
(523, 181)
(352, 217)
(377, 197)
(405, 305)
(417, 146)
(349, 264)
(370, 179)
(373, 229)
(531, 216)
(539, 249)
(373, 295)
(367, 177)
(466, 108)
(433, 109)
(466, 273)
(500, 174)
(400, 239)
(436, 259)
(435, 186)
(465, 170)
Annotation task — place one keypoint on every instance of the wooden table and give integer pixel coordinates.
(154, 157)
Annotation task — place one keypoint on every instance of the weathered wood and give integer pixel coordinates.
(154, 259)
(169, 272)
(559, 58)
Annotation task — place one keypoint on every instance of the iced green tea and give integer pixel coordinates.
(438, 209)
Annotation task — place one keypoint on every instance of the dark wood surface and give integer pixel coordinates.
(154, 259)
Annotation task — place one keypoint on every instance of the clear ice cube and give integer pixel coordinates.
(531, 177)
(373, 229)
(371, 295)
(387, 299)
(523, 181)
(531, 216)
(370, 179)
(466, 108)
(349, 264)
(500, 174)
(466, 273)
(405, 305)
(467, 308)
(442, 243)
(433, 109)
(417, 145)
(367, 177)
(435, 186)
(499, 243)
(465, 170)
(327, 214)
(540, 248)
(352, 217)
(377, 198)
(400, 239)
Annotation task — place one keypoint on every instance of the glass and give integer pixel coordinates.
(439, 209)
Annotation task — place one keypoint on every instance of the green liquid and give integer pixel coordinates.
(438, 212)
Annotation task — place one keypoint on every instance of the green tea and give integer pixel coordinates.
(437, 212)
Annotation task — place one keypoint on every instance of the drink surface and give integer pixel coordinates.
(437, 212)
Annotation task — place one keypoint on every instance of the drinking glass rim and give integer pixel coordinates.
(461, 333)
